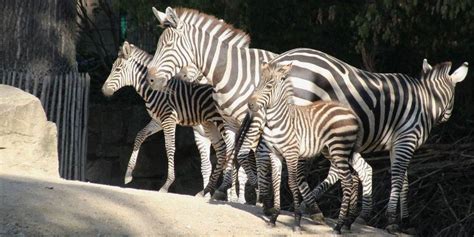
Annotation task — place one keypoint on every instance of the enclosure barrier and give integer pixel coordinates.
(65, 100)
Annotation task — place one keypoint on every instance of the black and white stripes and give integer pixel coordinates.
(302, 132)
(183, 103)
(397, 112)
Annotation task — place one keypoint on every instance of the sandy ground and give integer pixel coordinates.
(34, 203)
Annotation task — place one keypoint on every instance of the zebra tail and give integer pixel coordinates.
(244, 128)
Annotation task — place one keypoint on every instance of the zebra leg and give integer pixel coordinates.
(204, 146)
(343, 169)
(406, 226)
(330, 180)
(232, 192)
(151, 128)
(400, 155)
(242, 178)
(364, 172)
(263, 164)
(169, 129)
(220, 147)
(308, 198)
(250, 190)
(292, 164)
(250, 143)
(353, 209)
(276, 181)
(227, 168)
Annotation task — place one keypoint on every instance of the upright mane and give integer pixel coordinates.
(198, 19)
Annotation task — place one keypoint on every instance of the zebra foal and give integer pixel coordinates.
(301, 132)
(183, 103)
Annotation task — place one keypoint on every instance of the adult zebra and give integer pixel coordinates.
(182, 103)
(397, 112)
(222, 54)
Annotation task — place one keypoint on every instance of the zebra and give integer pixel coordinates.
(301, 132)
(183, 103)
(222, 54)
(397, 112)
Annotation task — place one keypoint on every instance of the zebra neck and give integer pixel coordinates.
(143, 88)
(282, 113)
(140, 59)
(226, 63)
(434, 100)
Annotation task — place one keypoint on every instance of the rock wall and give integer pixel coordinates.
(112, 129)
(26, 137)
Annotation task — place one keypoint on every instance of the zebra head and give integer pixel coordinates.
(173, 50)
(128, 68)
(441, 87)
(269, 86)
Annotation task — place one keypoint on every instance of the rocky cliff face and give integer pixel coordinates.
(25, 134)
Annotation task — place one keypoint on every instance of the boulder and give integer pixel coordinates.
(28, 142)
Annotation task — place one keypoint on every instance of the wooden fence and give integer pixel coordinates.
(65, 100)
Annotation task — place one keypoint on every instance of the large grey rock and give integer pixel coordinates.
(28, 142)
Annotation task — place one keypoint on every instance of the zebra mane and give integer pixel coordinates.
(198, 19)
(442, 68)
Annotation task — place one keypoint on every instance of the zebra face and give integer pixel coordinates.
(441, 85)
(120, 75)
(270, 81)
(173, 51)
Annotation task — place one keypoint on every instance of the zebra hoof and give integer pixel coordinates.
(267, 211)
(336, 232)
(318, 218)
(163, 190)
(200, 194)
(250, 195)
(393, 229)
(218, 195)
(271, 224)
(128, 179)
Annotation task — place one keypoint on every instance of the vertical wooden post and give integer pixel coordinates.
(35, 85)
(59, 123)
(20, 77)
(12, 82)
(47, 94)
(64, 123)
(72, 142)
(43, 93)
(86, 120)
(53, 100)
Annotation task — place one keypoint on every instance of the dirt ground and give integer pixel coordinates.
(36, 203)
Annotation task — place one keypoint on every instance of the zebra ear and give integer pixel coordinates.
(126, 49)
(172, 18)
(460, 73)
(426, 66)
(160, 16)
